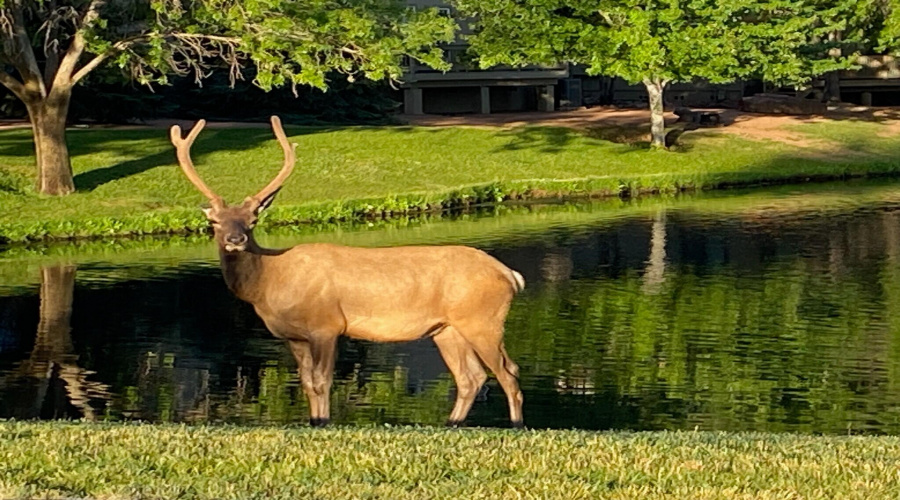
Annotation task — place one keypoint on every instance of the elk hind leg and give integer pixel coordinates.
(466, 368)
(492, 352)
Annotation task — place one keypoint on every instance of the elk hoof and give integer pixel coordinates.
(319, 422)
(518, 424)
(453, 424)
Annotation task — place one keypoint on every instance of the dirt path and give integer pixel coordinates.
(749, 125)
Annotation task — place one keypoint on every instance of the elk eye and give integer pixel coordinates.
(252, 223)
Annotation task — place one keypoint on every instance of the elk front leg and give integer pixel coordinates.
(302, 351)
(323, 356)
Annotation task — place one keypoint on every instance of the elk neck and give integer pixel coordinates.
(244, 271)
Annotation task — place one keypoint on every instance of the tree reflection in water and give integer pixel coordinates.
(759, 321)
(51, 383)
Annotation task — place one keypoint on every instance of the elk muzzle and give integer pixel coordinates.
(236, 242)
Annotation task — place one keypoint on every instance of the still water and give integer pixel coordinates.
(777, 311)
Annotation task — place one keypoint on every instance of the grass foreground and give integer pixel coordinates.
(128, 183)
(126, 461)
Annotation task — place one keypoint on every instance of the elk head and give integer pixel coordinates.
(233, 225)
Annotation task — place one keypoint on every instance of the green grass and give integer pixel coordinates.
(128, 183)
(122, 461)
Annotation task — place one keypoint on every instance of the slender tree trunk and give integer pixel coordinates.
(832, 87)
(48, 121)
(832, 91)
(657, 120)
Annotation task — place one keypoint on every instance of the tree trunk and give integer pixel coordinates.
(655, 272)
(657, 120)
(52, 344)
(833, 78)
(54, 340)
(48, 121)
(832, 87)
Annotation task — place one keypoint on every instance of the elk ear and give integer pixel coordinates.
(260, 205)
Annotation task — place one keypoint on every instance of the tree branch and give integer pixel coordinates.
(14, 86)
(51, 40)
(51, 67)
(76, 48)
(93, 63)
(23, 56)
(606, 17)
(99, 58)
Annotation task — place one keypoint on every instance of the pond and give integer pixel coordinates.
(774, 310)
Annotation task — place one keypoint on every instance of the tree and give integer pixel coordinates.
(657, 42)
(50, 45)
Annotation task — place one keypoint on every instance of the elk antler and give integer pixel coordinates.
(289, 159)
(183, 150)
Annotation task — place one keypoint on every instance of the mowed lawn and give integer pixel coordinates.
(128, 182)
(125, 461)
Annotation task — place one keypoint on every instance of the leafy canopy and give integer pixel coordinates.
(783, 41)
(289, 42)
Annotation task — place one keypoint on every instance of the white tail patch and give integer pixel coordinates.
(520, 281)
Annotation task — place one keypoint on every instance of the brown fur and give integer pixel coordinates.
(311, 294)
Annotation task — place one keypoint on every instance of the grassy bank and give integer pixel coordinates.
(488, 228)
(64, 460)
(128, 183)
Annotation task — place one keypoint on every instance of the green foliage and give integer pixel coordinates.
(669, 41)
(12, 182)
(284, 43)
(288, 43)
(879, 21)
(61, 460)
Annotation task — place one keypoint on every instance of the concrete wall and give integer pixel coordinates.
(451, 100)
(506, 99)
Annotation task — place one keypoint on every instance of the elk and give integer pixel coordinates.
(311, 294)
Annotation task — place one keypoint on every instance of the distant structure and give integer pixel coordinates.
(466, 89)
(875, 83)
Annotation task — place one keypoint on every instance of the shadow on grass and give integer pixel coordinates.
(552, 139)
(16, 142)
(543, 139)
(92, 179)
(208, 142)
(155, 146)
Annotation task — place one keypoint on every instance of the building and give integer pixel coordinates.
(875, 82)
(467, 89)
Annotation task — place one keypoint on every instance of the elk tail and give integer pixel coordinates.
(518, 281)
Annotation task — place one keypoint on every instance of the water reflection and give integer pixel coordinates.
(669, 320)
(49, 383)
